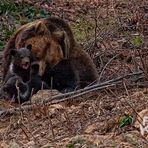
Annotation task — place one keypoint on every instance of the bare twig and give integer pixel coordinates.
(18, 92)
(106, 66)
(51, 126)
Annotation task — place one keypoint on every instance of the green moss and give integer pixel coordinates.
(1, 44)
(82, 30)
(75, 141)
(137, 41)
(15, 14)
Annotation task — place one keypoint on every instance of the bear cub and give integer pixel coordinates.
(22, 79)
(63, 76)
(36, 83)
(20, 91)
(20, 63)
(15, 89)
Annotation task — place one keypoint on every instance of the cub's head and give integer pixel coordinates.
(22, 57)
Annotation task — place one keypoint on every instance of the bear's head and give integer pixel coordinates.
(22, 57)
(50, 49)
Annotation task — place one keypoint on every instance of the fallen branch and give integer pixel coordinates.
(106, 66)
(56, 99)
(98, 85)
(71, 95)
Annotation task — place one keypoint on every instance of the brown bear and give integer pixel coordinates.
(55, 48)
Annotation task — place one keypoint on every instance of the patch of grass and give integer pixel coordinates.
(82, 30)
(14, 14)
(1, 45)
(7, 33)
(137, 41)
(76, 141)
(71, 145)
(126, 120)
(8, 7)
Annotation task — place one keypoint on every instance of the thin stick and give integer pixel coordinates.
(51, 126)
(18, 92)
(106, 66)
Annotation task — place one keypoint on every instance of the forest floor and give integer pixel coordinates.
(115, 35)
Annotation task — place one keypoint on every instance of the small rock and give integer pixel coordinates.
(4, 145)
(47, 146)
(1, 112)
(141, 114)
(91, 128)
(13, 144)
(30, 144)
(43, 95)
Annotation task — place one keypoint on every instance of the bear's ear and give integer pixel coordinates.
(29, 47)
(13, 52)
(63, 39)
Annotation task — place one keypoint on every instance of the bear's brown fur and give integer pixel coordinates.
(52, 41)
(41, 34)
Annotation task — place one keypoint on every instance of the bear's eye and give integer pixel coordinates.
(5, 89)
(37, 58)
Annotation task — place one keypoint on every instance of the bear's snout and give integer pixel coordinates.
(25, 64)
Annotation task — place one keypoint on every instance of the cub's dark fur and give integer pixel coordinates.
(20, 63)
(9, 90)
(63, 76)
(35, 83)
(15, 88)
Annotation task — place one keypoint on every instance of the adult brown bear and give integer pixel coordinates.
(58, 53)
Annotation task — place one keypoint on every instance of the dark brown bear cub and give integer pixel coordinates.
(20, 63)
(63, 75)
(36, 83)
(22, 77)
(14, 88)
(20, 91)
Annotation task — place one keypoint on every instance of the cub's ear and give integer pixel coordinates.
(29, 47)
(13, 52)
(63, 39)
